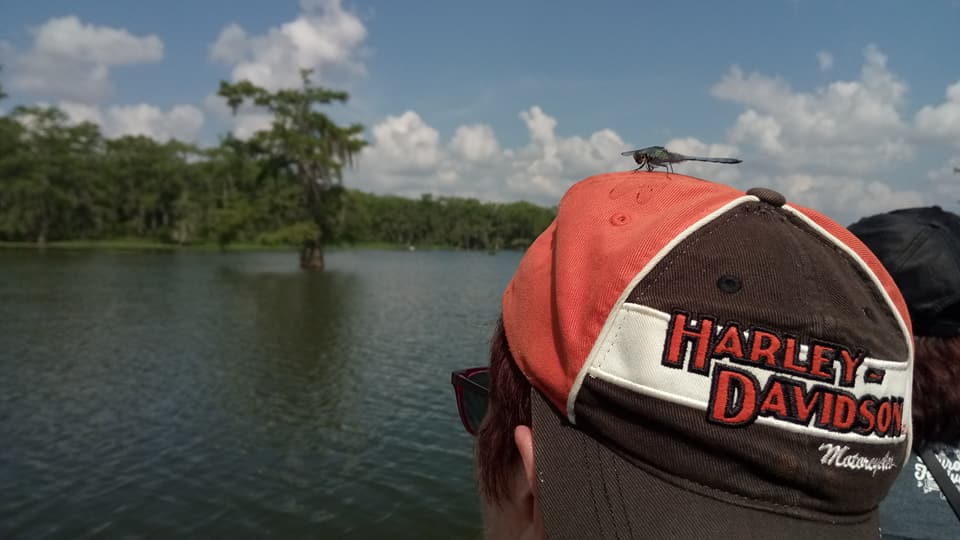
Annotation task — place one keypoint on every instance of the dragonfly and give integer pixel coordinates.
(658, 156)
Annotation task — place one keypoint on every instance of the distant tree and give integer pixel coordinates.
(50, 175)
(150, 188)
(305, 146)
(2, 94)
(13, 165)
(60, 180)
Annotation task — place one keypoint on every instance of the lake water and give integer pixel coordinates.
(230, 395)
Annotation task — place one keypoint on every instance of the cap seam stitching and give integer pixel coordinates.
(799, 224)
(606, 493)
(623, 504)
(683, 250)
(593, 491)
(613, 341)
(922, 235)
(874, 293)
(647, 268)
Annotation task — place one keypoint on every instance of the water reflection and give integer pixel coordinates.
(231, 395)
(299, 325)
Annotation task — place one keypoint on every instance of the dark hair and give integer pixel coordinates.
(508, 408)
(936, 391)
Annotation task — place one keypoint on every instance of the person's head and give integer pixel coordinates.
(920, 248)
(680, 359)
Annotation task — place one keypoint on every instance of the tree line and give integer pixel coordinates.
(62, 181)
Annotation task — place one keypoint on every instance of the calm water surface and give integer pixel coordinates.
(208, 395)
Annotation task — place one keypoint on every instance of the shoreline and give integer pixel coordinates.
(149, 245)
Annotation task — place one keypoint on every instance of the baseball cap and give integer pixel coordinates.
(920, 247)
(708, 363)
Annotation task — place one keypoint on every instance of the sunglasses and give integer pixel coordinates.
(471, 386)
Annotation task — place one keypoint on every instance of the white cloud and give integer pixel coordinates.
(232, 46)
(182, 122)
(67, 37)
(248, 120)
(407, 156)
(71, 60)
(949, 172)
(324, 37)
(942, 121)
(246, 124)
(406, 143)
(762, 130)
(726, 173)
(540, 126)
(824, 61)
(945, 182)
(847, 127)
(829, 148)
(475, 143)
(81, 112)
(844, 198)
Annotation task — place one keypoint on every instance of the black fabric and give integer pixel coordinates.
(920, 248)
(947, 487)
(587, 491)
(916, 507)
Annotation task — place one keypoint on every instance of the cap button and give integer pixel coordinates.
(768, 196)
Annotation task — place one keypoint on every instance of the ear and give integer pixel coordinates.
(523, 437)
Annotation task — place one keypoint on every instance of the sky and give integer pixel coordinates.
(851, 107)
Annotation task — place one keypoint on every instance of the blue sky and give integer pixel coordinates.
(444, 85)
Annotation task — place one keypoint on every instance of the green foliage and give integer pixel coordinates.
(291, 235)
(66, 182)
(302, 145)
(446, 221)
(47, 174)
(152, 191)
